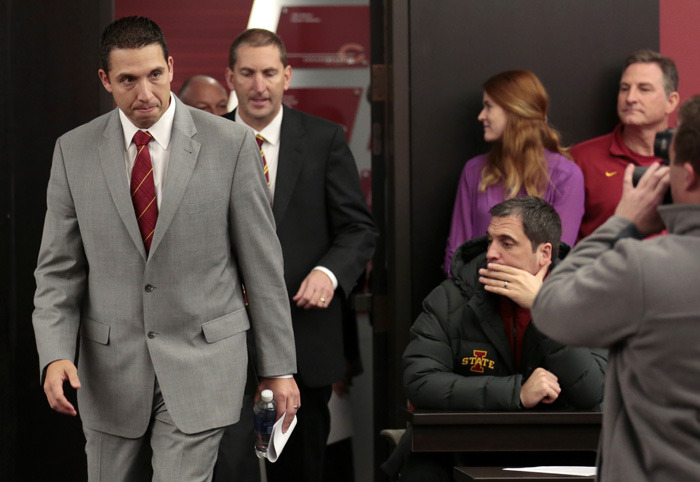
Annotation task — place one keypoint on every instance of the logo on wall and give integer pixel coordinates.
(352, 53)
(478, 362)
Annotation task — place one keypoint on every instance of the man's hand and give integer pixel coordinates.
(58, 372)
(639, 204)
(286, 395)
(517, 284)
(342, 387)
(542, 386)
(316, 291)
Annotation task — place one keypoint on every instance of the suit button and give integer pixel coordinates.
(149, 288)
(151, 334)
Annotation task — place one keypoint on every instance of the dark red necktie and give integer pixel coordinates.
(260, 140)
(143, 189)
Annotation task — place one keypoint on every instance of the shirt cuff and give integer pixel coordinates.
(330, 274)
(281, 376)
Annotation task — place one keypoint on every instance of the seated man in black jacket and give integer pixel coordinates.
(473, 346)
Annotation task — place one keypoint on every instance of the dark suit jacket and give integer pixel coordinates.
(322, 219)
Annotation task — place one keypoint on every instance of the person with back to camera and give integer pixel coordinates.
(526, 159)
(638, 297)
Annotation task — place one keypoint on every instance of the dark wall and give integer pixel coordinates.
(575, 48)
(7, 397)
(48, 85)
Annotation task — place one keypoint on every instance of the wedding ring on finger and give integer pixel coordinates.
(323, 300)
(505, 284)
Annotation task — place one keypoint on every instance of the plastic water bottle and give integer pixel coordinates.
(265, 413)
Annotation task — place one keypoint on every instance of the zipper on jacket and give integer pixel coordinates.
(516, 362)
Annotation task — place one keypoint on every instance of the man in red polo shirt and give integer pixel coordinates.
(647, 96)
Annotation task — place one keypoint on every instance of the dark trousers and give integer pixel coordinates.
(303, 456)
(237, 460)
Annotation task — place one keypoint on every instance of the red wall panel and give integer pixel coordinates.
(198, 33)
(679, 39)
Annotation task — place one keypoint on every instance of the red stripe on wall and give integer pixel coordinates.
(198, 33)
(679, 39)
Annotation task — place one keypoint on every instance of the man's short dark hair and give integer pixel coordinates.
(686, 142)
(667, 66)
(256, 37)
(541, 222)
(130, 33)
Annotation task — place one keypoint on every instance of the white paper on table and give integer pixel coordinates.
(559, 470)
(279, 439)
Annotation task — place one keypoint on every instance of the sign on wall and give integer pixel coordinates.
(326, 36)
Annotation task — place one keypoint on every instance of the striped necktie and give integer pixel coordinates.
(143, 190)
(260, 140)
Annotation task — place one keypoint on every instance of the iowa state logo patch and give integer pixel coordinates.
(478, 362)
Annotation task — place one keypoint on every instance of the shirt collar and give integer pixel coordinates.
(619, 148)
(270, 132)
(681, 218)
(161, 130)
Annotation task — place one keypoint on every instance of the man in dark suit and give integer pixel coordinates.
(323, 224)
(145, 243)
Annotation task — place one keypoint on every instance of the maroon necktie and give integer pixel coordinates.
(143, 190)
(260, 140)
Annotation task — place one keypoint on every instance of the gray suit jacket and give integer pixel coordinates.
(179, 313)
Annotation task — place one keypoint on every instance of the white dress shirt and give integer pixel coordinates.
(159, 150)
(271, 146)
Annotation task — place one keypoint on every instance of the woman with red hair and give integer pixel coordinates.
(525, 159)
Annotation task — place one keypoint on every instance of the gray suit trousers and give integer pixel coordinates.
(162, 454)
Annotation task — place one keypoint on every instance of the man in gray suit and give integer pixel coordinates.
(146, 297)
